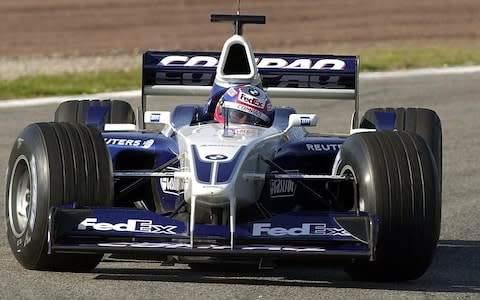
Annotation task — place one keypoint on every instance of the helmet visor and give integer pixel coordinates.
(240, 117)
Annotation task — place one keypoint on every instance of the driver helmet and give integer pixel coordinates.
(245, 104)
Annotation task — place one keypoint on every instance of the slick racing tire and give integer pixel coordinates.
(396, 181)
(77, 111)
(53, 164)
(422, 121)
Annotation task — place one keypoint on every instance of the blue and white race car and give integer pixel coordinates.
(235, 179)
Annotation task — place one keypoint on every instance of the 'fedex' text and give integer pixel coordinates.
(141, 226)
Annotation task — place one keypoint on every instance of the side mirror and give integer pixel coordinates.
(303, 120)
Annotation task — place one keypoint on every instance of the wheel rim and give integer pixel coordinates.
(20, 196)
(347, 170)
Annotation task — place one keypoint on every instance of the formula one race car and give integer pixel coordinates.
(236, 179)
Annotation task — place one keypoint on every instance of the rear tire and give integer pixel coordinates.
(422, 121)
(397, 181)
(77, 111)
(54, 164)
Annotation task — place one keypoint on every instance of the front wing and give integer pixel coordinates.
(135, 231)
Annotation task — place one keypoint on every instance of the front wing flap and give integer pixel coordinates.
(118, 230)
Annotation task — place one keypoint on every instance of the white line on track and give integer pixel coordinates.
(58, 99)
(420, 72)
(137, 93)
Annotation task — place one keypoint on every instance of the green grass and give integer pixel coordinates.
(410, 58)
(70, 84)
(109, 81)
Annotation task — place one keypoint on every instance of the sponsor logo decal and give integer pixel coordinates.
(323, 147)
(245, 98)
(272, 63)
(231, 92)
(216, 157)
(305, 121)
(155, 118)
(246, 131)
(303, 63)
(252, 111)
(282, 188)
(253, 92)
(132, 225)
(266, 62)
(148, 143)
(194, 61)
(173, 186)
(307, 229)
(129, 142)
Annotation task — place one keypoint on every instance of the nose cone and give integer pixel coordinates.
(216, 166)
(215, 160)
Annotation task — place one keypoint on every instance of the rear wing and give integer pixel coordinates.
(282, 75)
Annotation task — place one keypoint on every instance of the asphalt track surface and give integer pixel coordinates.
(455, 272)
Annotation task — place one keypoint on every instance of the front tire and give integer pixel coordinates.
(422, 121)
(54, 164)
(397, 181)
